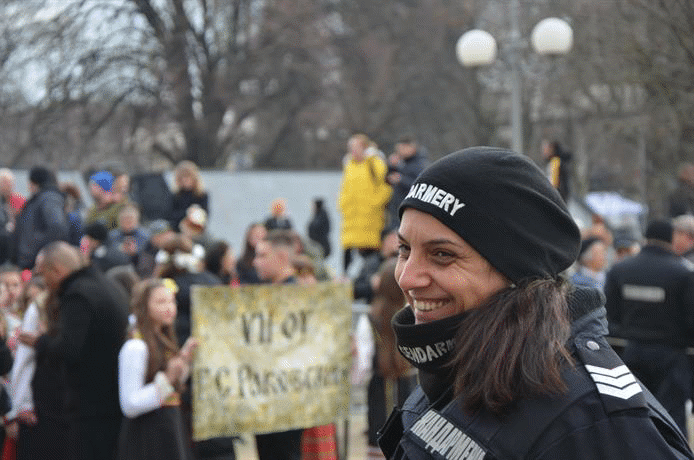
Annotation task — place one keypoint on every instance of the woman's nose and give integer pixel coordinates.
(411, 273)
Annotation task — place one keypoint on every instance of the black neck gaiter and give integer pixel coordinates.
(429, 347)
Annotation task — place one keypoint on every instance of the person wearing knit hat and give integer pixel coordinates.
(104, 208)
(511, 357)
(103, 179)
(659, 231)
(591, 263)
(649, 303)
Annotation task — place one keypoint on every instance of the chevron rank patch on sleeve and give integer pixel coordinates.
(618, 382)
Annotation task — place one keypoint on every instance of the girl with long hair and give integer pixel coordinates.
(189, 189)
(151, 375)
(21, 420)
(255, 232)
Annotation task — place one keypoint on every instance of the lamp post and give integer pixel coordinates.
(551, 36)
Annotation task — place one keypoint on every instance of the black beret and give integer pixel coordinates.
(501, 204)
(660, 230)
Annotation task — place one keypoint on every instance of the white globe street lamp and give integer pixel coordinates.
(475, 48)
(551, 36)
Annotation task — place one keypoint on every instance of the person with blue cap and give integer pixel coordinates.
(105, 208)
(512, 359)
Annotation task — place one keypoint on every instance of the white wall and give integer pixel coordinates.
(239, 198)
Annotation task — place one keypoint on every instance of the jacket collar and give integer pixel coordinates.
(657, 247)
(587, 311)
(69, 278)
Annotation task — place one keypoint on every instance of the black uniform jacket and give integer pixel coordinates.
(606, 414)
(650, 298)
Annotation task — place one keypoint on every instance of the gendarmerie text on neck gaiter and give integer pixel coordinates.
(430, 348)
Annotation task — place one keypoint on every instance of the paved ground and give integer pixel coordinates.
(356, 446)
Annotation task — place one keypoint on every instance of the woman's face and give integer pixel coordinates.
(228, 261)
(440, 274)
(13, 283)
(186, 180)
(356, 148)
(257, 233)
(128, 220)
(162, 306)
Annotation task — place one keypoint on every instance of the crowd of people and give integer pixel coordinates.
(510, 299)
(96, 314)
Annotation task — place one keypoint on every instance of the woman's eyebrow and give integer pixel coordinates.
(440, 241)
(433, 242)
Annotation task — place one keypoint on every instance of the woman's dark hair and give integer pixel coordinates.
(71, 190)
(513, 347)
(51, 309)
(125, 276)
(161, 344)
(26, 297)
(214, 255)
(248, 255)
(387, 300)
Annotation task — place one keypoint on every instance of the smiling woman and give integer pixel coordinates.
(440, 274)
(512, 359)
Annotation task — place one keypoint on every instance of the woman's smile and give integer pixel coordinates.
(440, 274)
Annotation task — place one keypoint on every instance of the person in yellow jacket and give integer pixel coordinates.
(363, 197)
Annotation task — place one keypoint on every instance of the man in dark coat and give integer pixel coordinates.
(558, 167)
(319, 226)
(364, 285)
(93, 321)
(404, 166)
(42, 218)
(681, 200)
(650, 299)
